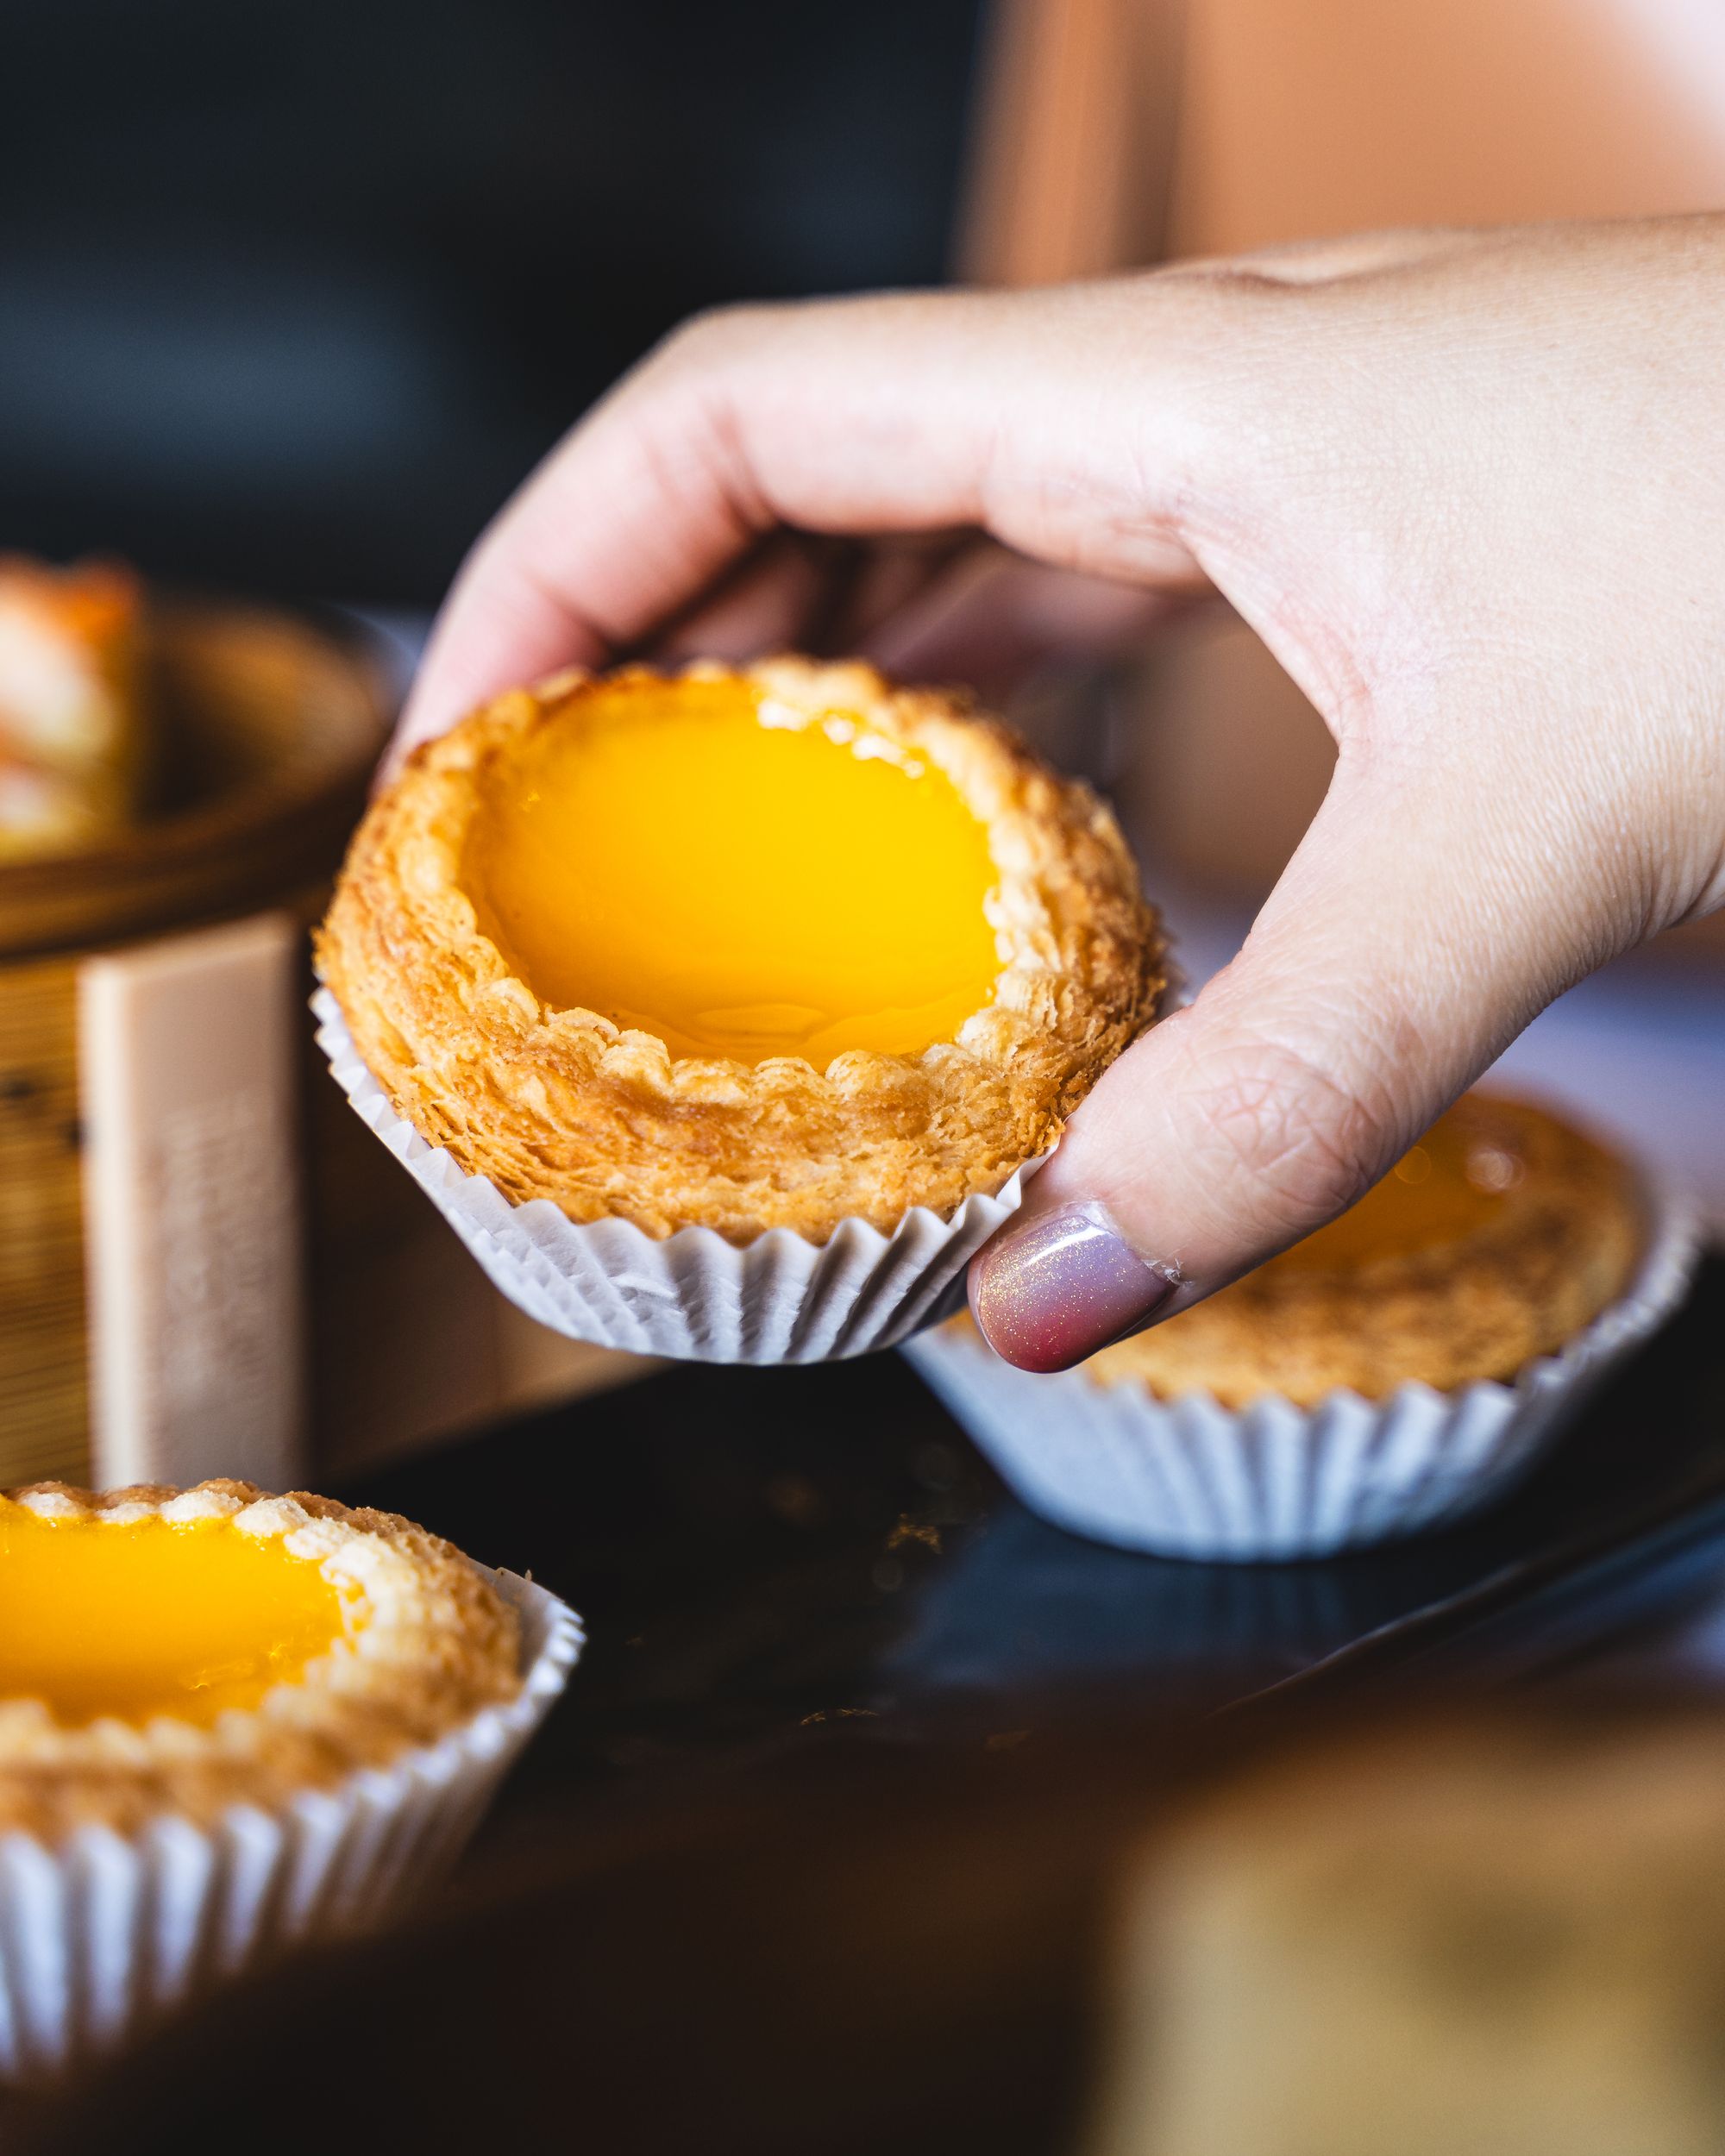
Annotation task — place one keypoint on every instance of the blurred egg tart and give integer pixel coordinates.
(73, 723)
(167, 1652)
(741, 949)
(1496, 1238)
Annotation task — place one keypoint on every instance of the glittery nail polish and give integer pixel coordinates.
(1049, 1294)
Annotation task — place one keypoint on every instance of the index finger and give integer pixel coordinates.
(904, 413)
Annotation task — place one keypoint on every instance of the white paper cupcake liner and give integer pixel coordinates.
(690, 1295)
(104, 1934)
(1187, 1477)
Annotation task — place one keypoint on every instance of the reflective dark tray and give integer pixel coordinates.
(779, 1560)
(814, 1857)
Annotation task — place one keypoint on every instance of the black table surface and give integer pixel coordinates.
(818, 1853)
(776, 1560)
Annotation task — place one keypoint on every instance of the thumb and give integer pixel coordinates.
(1379, 981)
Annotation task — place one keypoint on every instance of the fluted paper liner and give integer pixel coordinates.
(692, 1295)
(104, 1934)
(1187, 1477)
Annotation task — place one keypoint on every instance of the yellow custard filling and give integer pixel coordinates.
(691, 858)
(1444, 1189)
(148, 1616)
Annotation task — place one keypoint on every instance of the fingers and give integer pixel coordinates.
(1058, 428)
(1070, 425)
(741, 423)
(991, 618)
(951, 607)
(1386, 972)
(780, 598)
(817, 594)
(625, 523)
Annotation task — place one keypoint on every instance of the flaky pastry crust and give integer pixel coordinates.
(1563, 1244)
(562, 1104)
(438, 1645)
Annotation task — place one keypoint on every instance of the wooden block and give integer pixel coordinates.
(186, 1058)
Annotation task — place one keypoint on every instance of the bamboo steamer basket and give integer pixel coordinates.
(267, 728)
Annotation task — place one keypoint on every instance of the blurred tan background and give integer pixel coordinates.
(1116, 133)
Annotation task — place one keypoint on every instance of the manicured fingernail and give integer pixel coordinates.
(1058, 1290)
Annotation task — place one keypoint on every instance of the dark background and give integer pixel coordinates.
(294, 291)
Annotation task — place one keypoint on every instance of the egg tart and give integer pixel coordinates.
(776, 947)
(1499, 1236)
(72, 719)
(175, 1654)
(1395, 1370)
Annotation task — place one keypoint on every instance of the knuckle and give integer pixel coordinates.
(1309, 1141)
(713, 334)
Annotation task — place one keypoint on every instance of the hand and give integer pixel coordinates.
(1470, 488)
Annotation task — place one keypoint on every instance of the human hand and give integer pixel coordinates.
(1469, 489)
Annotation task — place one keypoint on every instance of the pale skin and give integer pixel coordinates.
(1470, 488)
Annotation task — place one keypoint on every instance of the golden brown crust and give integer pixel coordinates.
(1562, 1244)
(561, 1104)
(438, 1645)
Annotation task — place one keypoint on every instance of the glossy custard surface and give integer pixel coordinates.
(692, 860)
(150, 1617)
(1442, 1190)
